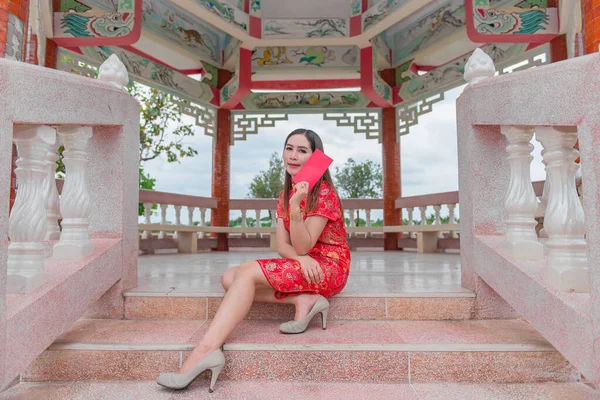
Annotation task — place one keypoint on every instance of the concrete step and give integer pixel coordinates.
(503, 351)
(406, 306)
(267, 390)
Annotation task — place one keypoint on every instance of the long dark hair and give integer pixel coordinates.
(313, 197)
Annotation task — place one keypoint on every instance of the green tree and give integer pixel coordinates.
(162, 133)
(359, 180)
(268, 184)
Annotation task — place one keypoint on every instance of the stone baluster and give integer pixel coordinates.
(202, 220)
(520, 203)
(147, 234)
(74, 240)
(51, 199)
(352, 222)
(368, 221)
(423, 211)
(163, 220)
(541, 210)
(257, 224)
(438, 209)
(274, 218)
(190, 215)
(27, 225)
(451, 218)
(411, 221)
(177, 220)
(566, 265)
(244, 222)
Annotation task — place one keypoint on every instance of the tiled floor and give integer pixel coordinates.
(370, 273)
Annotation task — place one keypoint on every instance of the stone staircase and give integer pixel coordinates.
(413, 346)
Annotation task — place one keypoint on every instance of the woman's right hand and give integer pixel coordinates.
(310, 269)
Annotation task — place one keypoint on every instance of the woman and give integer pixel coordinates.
(315, 263)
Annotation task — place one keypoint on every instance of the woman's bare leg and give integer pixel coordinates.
(231, 312)
(303, 303)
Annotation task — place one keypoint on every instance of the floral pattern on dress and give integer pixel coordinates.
(331, 252)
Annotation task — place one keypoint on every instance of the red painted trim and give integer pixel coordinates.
(477, 37)
(396, 99)
(245, 80)
(192, 71)
(255, 27)
(216, 96)
(132, 38)
(247, 6)
(355, 25)
(366, 78)
(240, 106)
(306, 84)
(372, 105)
(365, 5)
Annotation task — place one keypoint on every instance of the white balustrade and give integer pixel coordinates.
(202, 220)
(368, 221)
(411, 221)
(147, 234)
(28, 219)
(190, 215)
(51, 199)
(451, 219)
(257, 224)
(566, 264)
(244, 221)
(438, 209)
(273, 218)
(521, 203)
(74, 240)
(163, 220)
(177, 219)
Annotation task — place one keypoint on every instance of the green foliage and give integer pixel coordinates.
(147, 183)
(268, 184)
(162, 132)
(359, 181)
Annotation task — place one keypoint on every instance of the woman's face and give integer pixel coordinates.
(297, 151)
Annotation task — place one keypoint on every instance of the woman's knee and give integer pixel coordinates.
(228, 277)
(251, 271)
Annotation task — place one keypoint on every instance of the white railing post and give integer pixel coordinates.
(147, 220)
(566, 267)
(74, 240)
(163, 220)
(423, 211)
(202, 220)
(177, 220)
(411, 221)
(351, 222)
(368, 221)
(273, 218)
(51, 199)
(451, 208)
(257, 224)
(520, 202)
(28, 222)
(438, 209)
(244, 221)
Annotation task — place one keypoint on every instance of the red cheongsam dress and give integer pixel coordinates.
(331, 252)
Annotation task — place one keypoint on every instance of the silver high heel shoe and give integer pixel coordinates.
(215, 361)
(321, 306)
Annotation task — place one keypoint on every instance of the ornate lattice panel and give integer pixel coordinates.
(408, 115)
(77, 66)
(245, 123)
(367, 122)
(206, 117)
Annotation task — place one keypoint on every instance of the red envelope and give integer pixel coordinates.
(313, 169)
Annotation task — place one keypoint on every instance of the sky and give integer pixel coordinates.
(428, 155)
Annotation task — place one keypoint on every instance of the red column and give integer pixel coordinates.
(591, 25)
(221, 169)
(392, 181)
(13, 28)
